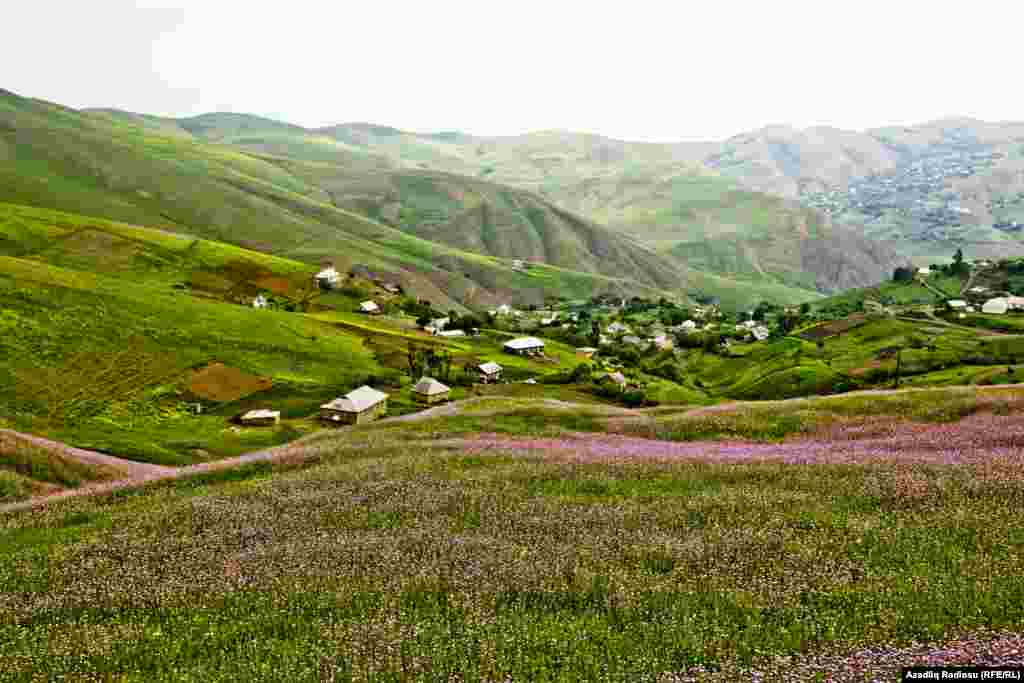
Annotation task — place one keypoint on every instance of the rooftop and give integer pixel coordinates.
(357, 401)
(430, 387)
(524, 343)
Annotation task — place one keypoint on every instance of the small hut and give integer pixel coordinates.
(429, 390)
(365, 404)
(261, 418)
(369, 307)
(489, 372)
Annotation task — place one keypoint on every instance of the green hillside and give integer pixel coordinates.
(146, 171)
(111, 336)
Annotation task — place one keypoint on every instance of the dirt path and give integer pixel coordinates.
(143, 473)
(132, 469)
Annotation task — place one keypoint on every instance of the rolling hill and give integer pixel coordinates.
(149, 171)
(456, 189)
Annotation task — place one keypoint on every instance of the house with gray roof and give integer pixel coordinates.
(362, 405)
(429, 390)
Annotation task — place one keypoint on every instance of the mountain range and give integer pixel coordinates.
(780, 214)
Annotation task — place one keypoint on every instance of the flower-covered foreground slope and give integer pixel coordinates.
(413, 553)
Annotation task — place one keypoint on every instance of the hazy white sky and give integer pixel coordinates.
(638, 70)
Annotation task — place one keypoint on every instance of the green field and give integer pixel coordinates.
(392, 556)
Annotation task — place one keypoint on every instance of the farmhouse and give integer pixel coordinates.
(429, 390)
(997, 306)
(924, 271)
(327, 278)
(436, 325)
(364, 404)
(617, 328)
(616, 378)
(369, 307)
(489, 372)
(525, 346)
(261, 418)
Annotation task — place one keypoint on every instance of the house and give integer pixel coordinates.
(586, 351)
(957, 304)
(261, 418)
(687, 326)
(362, 405)
(616, 378)
(617, 328)
(997, 306)
(603, 340)
(525, 346)
(747, 325)
(489, 372)
(452, 333)
(1015, 303)
(550, 320)
(760, 332)
(259, 302)
(518, 264)
(436, 325)
(327, 278)
(924, 271)
(369, 307)
(429, 390)
(978, 289)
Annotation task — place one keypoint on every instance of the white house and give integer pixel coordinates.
(436, 325)
(997, 306)
(328, 277)
(503, 309)
(617, 328)
(760, 332)
(688, 326)
(524, 346)
(261, 417)
(369, 307)
(957, 304)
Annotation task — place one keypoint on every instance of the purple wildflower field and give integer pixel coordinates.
(850, 547)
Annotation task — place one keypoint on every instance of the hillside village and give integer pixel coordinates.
(919, 193)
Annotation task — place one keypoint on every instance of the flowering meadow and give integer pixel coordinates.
(493, 548)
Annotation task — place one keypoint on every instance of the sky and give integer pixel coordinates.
(638, 70)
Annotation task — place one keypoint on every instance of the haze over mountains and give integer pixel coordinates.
(778, 214)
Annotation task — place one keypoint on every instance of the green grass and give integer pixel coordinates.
(382, 562)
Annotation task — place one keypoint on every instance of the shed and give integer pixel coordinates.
(957, 304)
(261, 417)
(369, 307)
(429, 390)
(364, 404)
(489, 372)
(524, 346)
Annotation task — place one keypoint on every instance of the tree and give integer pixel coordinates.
(903, 274)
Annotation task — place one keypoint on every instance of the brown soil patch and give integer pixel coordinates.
(274, 283)
(219, 382)
(835, 327)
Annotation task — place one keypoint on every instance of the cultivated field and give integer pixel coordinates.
(822, 539)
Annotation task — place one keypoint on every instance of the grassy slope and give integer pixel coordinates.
(390, 558)
(96, 341)
(147, 172)
(27, 470)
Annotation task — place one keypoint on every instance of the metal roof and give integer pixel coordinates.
(490, 367)
(430, 387)
(524, 343)
(261, 414)
(357, 401)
